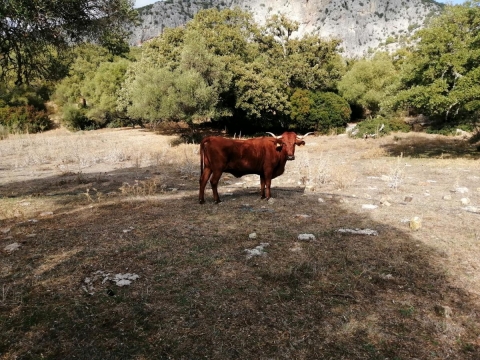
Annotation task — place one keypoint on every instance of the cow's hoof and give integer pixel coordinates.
(201, 202)
(263, 197)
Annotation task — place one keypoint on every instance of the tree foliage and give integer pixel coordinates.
(35, 35)
(441, 75)
(183, 87)
(224, 67)
(369, 82)
(319, 111)
(88, 96)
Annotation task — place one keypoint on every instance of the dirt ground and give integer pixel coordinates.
(77, 208)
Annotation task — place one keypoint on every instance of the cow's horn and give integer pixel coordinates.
(301, 137)
(277, 137)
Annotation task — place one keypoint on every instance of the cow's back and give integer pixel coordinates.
(239, 157)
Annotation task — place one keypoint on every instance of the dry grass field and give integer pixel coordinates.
(105, 252)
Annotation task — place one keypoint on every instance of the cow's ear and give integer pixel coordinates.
(300, 142)
(277, 142)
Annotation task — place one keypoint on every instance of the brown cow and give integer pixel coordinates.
(264, 156)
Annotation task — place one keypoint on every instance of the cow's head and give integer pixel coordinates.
(288, 140)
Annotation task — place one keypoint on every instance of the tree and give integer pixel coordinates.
(35, 35)
(369, 82)
(245, 73)
(319, 111)
(88, 96)
(183, 87)
(308, 62)
(441, 75)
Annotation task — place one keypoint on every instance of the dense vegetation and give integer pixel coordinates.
(224, 69)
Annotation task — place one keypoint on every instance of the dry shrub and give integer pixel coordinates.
(185, 158)
(141, 187)
(373, 153)
(396, 174)
(342, 176)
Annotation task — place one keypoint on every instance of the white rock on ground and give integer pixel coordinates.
(12, 247)
(306, 237)
(257, 251)
(359, 231)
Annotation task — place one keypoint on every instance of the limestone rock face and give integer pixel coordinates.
(362, 25)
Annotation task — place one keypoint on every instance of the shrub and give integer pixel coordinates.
(75, 119)
(24, 119)
(3, 132)
(320, 111)
(372, 126)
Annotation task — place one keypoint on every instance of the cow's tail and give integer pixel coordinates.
(202, 157)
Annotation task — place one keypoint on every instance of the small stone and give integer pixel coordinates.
(46, 213)
(320, 200)
(408, 199)
(415, 223)
(358, 231)
(465, 201)
(385, 203)
(461, 190)
(369, 206)
(252, 235)
(303, 216)
(5, 230)
(258, 251)
(443, 311)
(447, 197)
(306, 237)
(472, 209)
(296, 247)
(12, 247)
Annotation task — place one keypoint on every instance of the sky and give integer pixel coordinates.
(140, 3)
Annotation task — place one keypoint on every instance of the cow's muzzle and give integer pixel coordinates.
(291, 157)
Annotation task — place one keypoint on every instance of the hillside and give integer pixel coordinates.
(362, 25)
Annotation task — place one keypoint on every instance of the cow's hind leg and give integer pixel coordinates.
(262, 186)
(214, 182)
(203, 182)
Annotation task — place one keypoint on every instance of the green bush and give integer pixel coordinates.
(319, 111)
(3, 132)
(372, 126)
(24, 119)
(75, 119)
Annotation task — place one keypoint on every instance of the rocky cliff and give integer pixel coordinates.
(363, 25)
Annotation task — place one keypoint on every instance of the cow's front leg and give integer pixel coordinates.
(268, 183)
(262, 186)
(214, 182)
